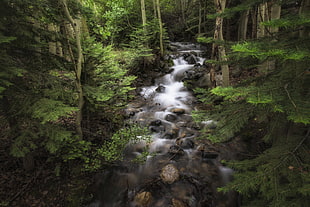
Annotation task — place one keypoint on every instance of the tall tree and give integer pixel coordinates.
(271, 108)
(218, 50)
(143, 14)
(76, 24)
(161, 30)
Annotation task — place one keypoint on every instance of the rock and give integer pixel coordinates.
(191, 59)
(143, 199)
(171, 117)
(178, 111)
(156, 129)
(160, 89)
(177, 203)
(171, 133)
(187, 132)
(156, 122)
(176, 150)
(169, 174)
(186, 143)
(209, 155)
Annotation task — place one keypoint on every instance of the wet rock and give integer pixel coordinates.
(160, 89)
(156, 129)
(178, 111)
(187, 132)
(143, 199)
(177, 203)
(181, 124)
(176, 150)
(171, 133)
(171, 117)
(209, 155)
(156, 122)
(191, 59)
(186, 143)
(169, 174)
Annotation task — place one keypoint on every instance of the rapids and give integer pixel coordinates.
(179, 172)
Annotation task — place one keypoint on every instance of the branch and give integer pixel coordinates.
(67, 13)
(289, 96)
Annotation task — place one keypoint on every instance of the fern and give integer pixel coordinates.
(51, 110)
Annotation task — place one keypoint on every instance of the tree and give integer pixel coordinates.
(76, 25)
(143, 14)
(161, 31)
(218, 51)
(273, 106)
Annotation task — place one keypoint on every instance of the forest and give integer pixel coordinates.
(71, 77)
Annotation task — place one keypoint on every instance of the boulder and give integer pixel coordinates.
(185, 143)
(156, 129)
(176, 150)
(178, 111)
(177, 203)
(171, 117)
(171, 132)
(209, 155)
(143, 199)
(156, 122)
(191, 59)
(169, 174)
(160, 89)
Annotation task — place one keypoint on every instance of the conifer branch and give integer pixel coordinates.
(289, 96)
(302, 141)
(295, 149)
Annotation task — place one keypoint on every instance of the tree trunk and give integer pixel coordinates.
(261, 17)
(154, 8)
(52, 44)
(275, 13)
(243, 25)
(218, 51)
(199, 18)
(161, 44)
(266, 13)
(76, 25)
(254, 23)
(304, 10)
(143, 14)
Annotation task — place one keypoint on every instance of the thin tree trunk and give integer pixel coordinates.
(204, 17)
(154, 8)
(261, 17)
(254, 23)
(183, 11)
(143, 14)
(52, 44)
(304, 9)
(76, 25)
(199, 19)
(218, 51)
(275, 13)
(266, 13)
(243, 25)
(160, 29)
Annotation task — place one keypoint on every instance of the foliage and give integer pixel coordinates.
(113, 150)
(276, 103)
(107, 83)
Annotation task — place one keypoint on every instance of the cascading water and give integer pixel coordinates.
(182, 172)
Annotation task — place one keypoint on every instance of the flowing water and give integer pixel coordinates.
(179, 171)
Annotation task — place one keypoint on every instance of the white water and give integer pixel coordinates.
(161, 101)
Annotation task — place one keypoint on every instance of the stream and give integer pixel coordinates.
(179, 171)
